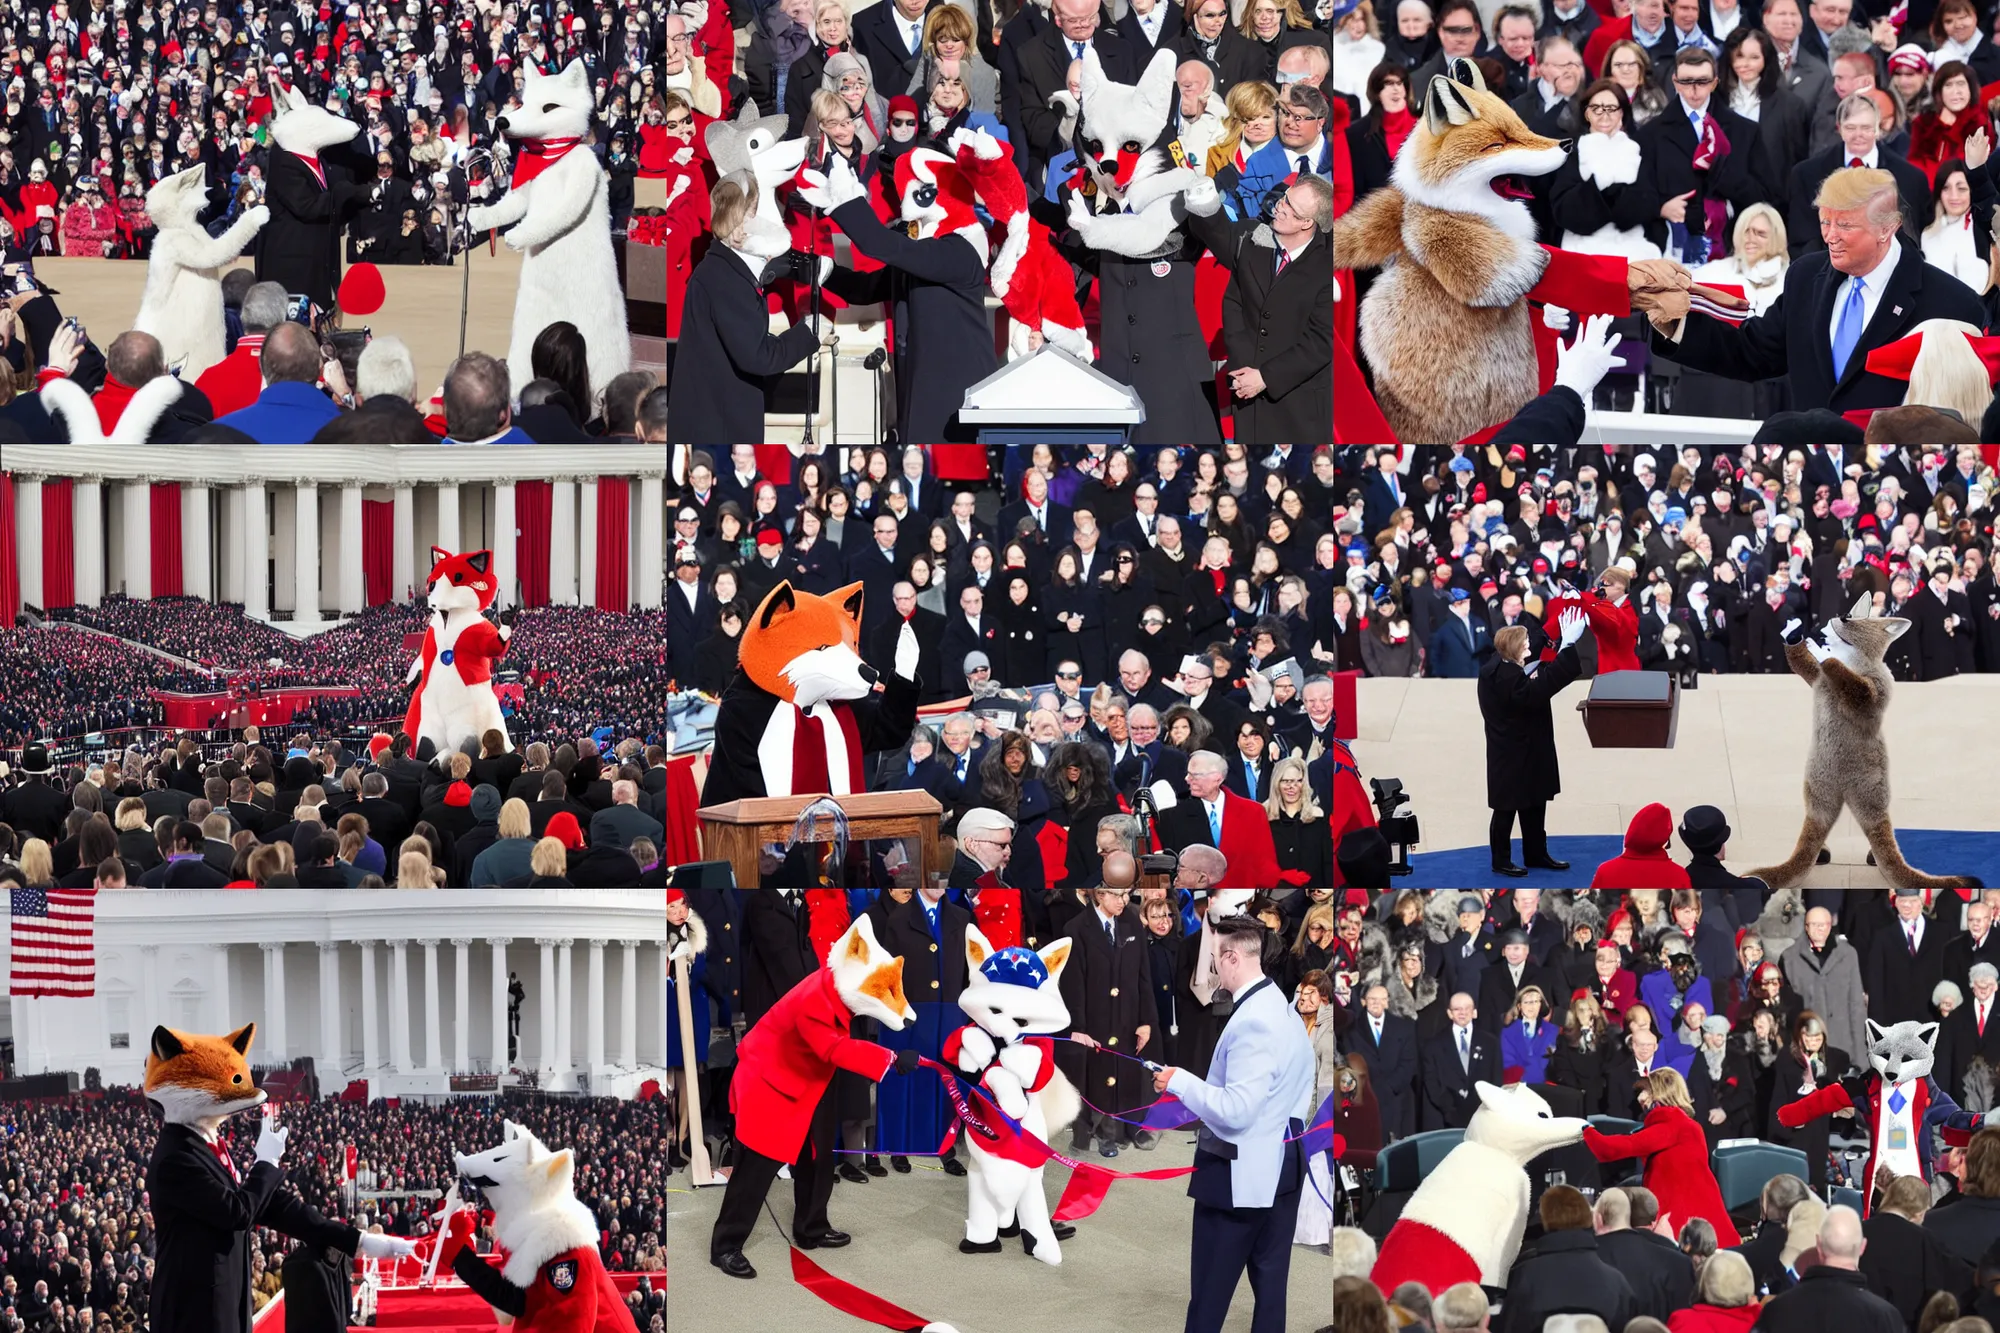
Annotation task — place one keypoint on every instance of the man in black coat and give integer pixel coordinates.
(1054, 519)
(1662, 1277)
(1978, 943)
(1388, 1042)
(187, 867)
(1722, 161)
(1521, 768)
(1277, 314)
(1860, 135)
(1160, 26)
(777, 949)
(1793, 338)
(930, 630)
(936, 286)
(883, 36)
(967, 632)
(36, 808)
(1764, 1250)
(1212, 39)
(728, 355)
(1508, 975)
(1904, 962)
(1044, 70)
(691, 615)
(1705, 832)
(309, 202)
(1105, 986)
(928, 933)
(1833, 1293)
(1933, 649)
(1453, 1062)
(1971, 1031)
(205, 1207)
(1564, 1271)
(878, 566)
(1905, 1264)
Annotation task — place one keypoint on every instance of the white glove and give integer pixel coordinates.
(906, 653)
(271, 1141)
(975, 1050)
(1791, 628)
(1202, 198)
(1163, 795)
(258, 214)
(983, 145)
(1572, 624)
(1259, 687)
(685, 949)
(1336, 290)
(836, 187)
(385, 1247)
(1555, 317)
(1589, 359)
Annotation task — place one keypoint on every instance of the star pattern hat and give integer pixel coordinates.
(1015, 966)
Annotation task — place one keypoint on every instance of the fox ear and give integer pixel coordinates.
(1875, 1031)
(1467, 73)
(1053, 957)
(1928, 1035)
(849, 600)
(438, 553)
(777, 602)
(165, 1044)
(1897, 627)
(241, 1038)
(977, 948)
(561, 1165)
(1863, 608)
(1446, 106)
(480, 560)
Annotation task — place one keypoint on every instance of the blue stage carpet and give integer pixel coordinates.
(1937, 851)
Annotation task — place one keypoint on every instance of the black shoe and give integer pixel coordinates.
(974, 1247)
(1011, 1230)
(1079, 1144)
(953, 1167)
(1548, 863)
(1144, 1140)
(1825, 858)
(1107, 1149)
(873, 1166)
(851, 1173)
(901, 1164)
(829, 1240)
(733, 1263)
(1063, 1230)
(1510, 870)
(1027, 1242)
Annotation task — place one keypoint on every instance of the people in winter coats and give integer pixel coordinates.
(1675, 1152)
(1644, 864)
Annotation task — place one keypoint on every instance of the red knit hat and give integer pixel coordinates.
(458, 793)
(675, 896)
(904, 103)
(563, 828)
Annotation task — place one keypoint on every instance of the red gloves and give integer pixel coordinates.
(1295, 878)
(457, 1235)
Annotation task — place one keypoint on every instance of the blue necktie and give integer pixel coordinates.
(931, 914)
(1250, 779)
(1215, 825)
(1847, 334)
(1077, 49)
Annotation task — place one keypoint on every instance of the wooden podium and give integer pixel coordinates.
(735, 830)
(1632, 710)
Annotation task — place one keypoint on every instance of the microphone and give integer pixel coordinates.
(875, 359)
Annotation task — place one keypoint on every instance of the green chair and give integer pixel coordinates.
(1404, 1164)
(1743, 1169)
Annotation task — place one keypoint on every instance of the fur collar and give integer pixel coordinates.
(534, 1239)
(1607, 159)
(697, 932)
(1510, 216)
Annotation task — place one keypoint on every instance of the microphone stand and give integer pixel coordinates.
(812, 361)
(465, 277)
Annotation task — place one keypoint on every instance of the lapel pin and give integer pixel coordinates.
(1897, 310)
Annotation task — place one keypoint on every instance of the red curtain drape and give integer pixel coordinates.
(378, 550)
(58, 544)
(614, 548)
(534, 502)
(10, 563)
(168, 577)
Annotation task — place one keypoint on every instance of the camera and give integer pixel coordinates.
(1396, 818)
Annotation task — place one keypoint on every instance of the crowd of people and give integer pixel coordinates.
(1714, 139)
(1127, 634)
(77, 1241)
(1714, 550)
(1707, 1013)
(880, 100)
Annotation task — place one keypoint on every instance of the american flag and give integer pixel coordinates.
(54, 939)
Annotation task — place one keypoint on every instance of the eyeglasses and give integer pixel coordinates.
(1604, 109)
(1069, 675)
(902, 122)
(1695, 83)
(1460, 30)
(1126, 560)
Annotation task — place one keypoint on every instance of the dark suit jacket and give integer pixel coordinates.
(1164, 763)
(1904, 1263)
(1171, 28)
(619, 825)
(1802, 218)
(1392, 1068)
(1497, 991)
(1045, 70)
(1236, 57)
(778, 953)
(930, 630)
(1060, 525)
(728, 354)
(1280, 324)
(1662, 1277)
(204, 1218)
(877, 37)
(933, 970)
(1238, 779)
(1667, 146)
(1794, 337)
(1898, 985)
(1449, 1099)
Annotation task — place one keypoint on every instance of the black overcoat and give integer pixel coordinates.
(1282, 325)
(203, 1217)
(1152, 341)
(1109, 997)
(777, 951)
(1520, 729)
(299, 247)
(728, 355)
(944, 344)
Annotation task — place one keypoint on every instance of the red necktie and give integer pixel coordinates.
(228, 1162)
(1910, 933)
(1853, 161)
(1981, 1012)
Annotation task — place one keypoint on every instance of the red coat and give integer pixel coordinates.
(1677, 1170)
(235, 381)
(998, 914)
(1617, 995)
(785, 1064)
(1351, 809)
(1247, 843)
(1714, 1318)
(573, 1294)
(1644, 864)
(1616, 627)
(1933, 143)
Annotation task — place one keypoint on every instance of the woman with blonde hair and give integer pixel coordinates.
(1298, 827)
(413, 869)
(550, 864)
(947, 37)
(509, 856)
(1250, 124)
(137, 847)
(1757, 260)
(38, 869)
(1357, 50)
(1947, 372)
(1276, 26)
(1675, 1151)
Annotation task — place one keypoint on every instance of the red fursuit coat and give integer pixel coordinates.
(1933, 143)
(785, 1064)
(1644, 864)
(1351, 809)
(1616, 627)
(1677, 1170)
(1246, 842)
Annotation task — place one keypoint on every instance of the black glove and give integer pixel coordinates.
(794, 264)
(1798, 634)
(1267, 207)
(505, 619)
(906, 1059)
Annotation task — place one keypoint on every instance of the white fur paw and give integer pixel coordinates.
(1049, 1252)
(1062, 101)
(975, 1050)
(479, 218)
(1012, 1100)
(1203, 199)
(982, 144)
(1023, 1062)
(258, 215)
(1080, 218)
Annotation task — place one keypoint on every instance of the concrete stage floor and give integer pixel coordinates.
(1125, 1270)
(1741, 746)
(421, 306)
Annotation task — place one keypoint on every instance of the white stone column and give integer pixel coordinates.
(399, 1007)
(256, 551)
(403, 567)
(447, 524)
(87, 498)
(138, 525)
(223, 1006)
(433, 1011)
(332, 1056)
(284, 551)
(546, 1047)
(28, 529)
(461, 1014)
(652, 542)
(562, 542)
(505, 544)
(197, 572)
(499, 991)
(371, 1029)
(594, 1008)
(353, 589)
(305, 601)
(586, 543)
(149, 985)
(628, 1009)
(274, 1000)
(565, 1008)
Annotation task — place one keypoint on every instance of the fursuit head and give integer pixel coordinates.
(1456, 246)
(1118, 140)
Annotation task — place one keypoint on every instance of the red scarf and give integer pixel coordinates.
(538, 155)
(1396, 127)
(312, 165)
(810, 750)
